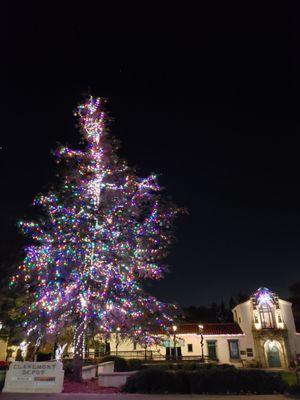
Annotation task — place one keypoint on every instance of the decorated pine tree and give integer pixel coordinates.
(101, 234)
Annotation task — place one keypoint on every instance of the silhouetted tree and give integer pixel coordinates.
(295, 299)
(216, 312)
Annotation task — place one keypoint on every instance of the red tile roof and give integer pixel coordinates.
(211, 329)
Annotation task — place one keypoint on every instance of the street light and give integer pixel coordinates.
(117, 339)
(201, 341)
(174, 327)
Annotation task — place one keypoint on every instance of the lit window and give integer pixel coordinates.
(234, 351)
(212, 349)
(266, 315)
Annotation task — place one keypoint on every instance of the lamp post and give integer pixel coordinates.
(201, 341)
(117, 339)
(174, 340)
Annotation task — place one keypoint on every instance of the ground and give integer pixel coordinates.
(90, 386)
(123, 396)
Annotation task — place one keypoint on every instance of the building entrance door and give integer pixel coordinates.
(273, 355)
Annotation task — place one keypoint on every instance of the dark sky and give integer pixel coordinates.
(207, 97)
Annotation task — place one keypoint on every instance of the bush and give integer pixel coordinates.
(4, 365)
(2, 378)
(289, 377)
(231, 380)
(41, 356)
(166, 366)
(261, 382)
(295, 389)
(120, 363)
(188, 366)
(68, 368)
(191, 366)
(134, 364)
(182, 382)
(156, 381)
(223, 366)
(214, 380)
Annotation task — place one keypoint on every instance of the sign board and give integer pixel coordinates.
(34, 377)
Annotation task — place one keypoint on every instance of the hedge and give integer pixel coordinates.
(122, 365)
(187, 366)
(213, 381)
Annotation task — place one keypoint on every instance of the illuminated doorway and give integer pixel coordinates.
(273, 353)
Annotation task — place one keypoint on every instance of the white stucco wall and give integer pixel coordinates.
(288, 319)
(242, 314)
(287, 315)
(222, 346)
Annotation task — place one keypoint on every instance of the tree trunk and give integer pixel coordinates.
(78, 351)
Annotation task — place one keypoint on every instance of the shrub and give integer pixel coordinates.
(191, 366)
(295, 389)
(156, 381)
(120, 363)
(68, 368)
(134, 364)
(182, 382)
(4, 365)
(230, 380)
(166, 366)
(41, 356)
(223, 366)
(261, 382)
(289, 377)
(212, 380)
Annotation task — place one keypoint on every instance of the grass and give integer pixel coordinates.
(289, 377)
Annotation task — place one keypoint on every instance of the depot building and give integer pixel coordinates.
(263, 334)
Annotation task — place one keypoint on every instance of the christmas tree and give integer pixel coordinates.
(102, 233)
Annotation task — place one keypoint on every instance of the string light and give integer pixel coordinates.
(103, 232)
(264, 296)
(23, 347)
(60, 351)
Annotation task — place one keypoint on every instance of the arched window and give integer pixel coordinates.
(266, 315)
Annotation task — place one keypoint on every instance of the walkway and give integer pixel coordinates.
(123, 396)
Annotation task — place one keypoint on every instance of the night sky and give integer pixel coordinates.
(208, 98)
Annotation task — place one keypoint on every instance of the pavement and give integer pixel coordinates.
(129, 396)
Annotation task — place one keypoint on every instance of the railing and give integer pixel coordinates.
(192, 358)
(140, 354)
(157, 356)
(150, 355)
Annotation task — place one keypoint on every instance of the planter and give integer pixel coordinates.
(2, 378)
(89, 372)
(106, 367)
(114, 379)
